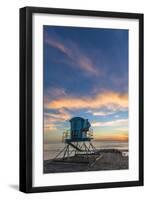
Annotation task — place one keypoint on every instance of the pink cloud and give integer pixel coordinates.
(76, 57)
(58, 45)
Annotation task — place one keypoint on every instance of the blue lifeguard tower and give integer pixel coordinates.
(78, 139)
(79, 129)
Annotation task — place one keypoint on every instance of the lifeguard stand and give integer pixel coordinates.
(78, 139)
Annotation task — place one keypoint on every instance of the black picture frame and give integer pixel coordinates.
(26, 74)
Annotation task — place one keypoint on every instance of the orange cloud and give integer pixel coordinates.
(62, 115)
(112, 137)
(51, 119)
(50, 127)
(107, 99)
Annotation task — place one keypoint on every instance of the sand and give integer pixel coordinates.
(105, 159)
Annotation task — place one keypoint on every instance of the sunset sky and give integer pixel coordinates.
(86, 75)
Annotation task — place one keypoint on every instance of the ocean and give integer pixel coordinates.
(52, 149)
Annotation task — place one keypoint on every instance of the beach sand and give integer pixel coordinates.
(105, 159)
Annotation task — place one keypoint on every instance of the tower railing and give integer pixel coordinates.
(67, 134)
(90, 133)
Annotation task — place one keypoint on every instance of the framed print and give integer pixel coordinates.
(81, 99)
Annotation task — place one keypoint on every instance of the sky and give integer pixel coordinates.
(85, 75)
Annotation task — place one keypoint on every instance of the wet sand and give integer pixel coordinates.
(105, 159)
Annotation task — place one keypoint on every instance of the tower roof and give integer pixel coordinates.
(77, 118)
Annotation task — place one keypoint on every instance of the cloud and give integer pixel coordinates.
(102, 113)
(52, 120)
(112, 137)
(57, 91)
(50, 127)
(61, 115)
(58, 45)
(54, 93)
(109, 99)
(114, 123)
(49, 123)
(122, 129)
(76, 58)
